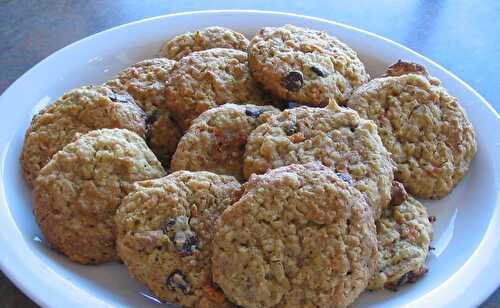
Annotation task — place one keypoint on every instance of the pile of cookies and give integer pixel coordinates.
(261, 173)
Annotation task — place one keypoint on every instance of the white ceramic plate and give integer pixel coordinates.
(463, 267)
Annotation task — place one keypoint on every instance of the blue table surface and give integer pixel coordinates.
(463, 36)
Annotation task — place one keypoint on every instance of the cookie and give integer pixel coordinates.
(203, 39)
(300, 236)
(77, 193)
(78, 111)
(404, 234)
(304, 65)
(145, 82)
(424, 127)
(165, 231)
(216, 139)
(335, 136)
(163, 136)
(207, 79)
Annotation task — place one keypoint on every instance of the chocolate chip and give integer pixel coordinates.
(291, 129)
(410, 277)
(293, 81)
(398, 194)
(253, 112)
(291, 105)
(346, 177)
(432, 219)
(317, 71)
(177, 282)
(401, 281)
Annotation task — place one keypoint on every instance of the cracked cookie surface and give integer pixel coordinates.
(335, 136)
(78, 111)
(298, 237)
(431, 140)
(216, 139)
(305, 65)
(207, 79)
(165, 231)
(404, 234)
(203, 39)
(77, 193)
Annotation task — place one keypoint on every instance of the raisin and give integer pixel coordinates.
(317, 71)
(253, 112)
(398, 194)
(180, 234)
(291, 105)
(177, 282)
(432, 219)
(293, 81)
(187, 246)
(346, 177)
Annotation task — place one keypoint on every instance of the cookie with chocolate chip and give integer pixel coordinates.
(304, 65)
(300, 236)
(216, 139)
(207, 79)
(78, 111)
(203, 39)
(404, 234)
(335, 136)
(165, 230)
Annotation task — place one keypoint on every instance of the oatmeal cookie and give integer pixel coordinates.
(78, 111)
(145, 82)
(77, 193)
(404, 234)
(424, 127)
(335, 136)
(305, 65)
(163, 136)
(203, 39)
(216, 139)
(300, 236)
(207, 79)
(165, 231)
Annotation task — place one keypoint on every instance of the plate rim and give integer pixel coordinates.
(38, 296)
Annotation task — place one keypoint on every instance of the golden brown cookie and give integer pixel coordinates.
(300, 236)
(145, 82)
(404, 233)
(216, 139)
(78, 111)
(203, 39)
(207, 79)
(335, 136)
(304, 65)
(165, 231)
(424, 127)
(77, 193)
